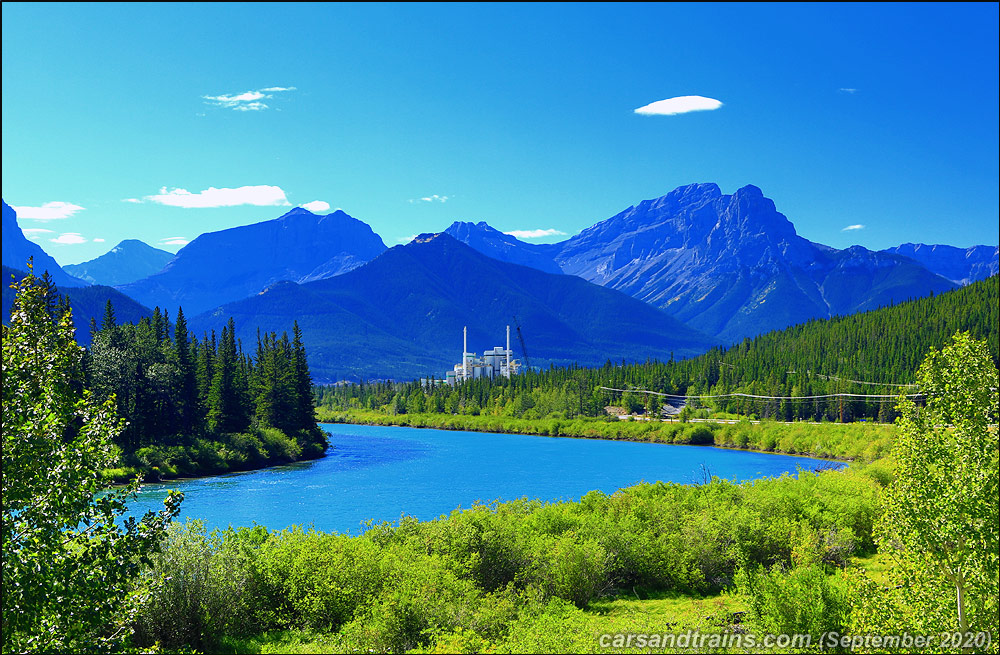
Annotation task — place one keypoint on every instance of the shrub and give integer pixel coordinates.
(801, 601)
(203, 587)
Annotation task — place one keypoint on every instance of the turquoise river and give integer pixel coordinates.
(381, 473)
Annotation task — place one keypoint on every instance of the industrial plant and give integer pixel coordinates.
(495, 363)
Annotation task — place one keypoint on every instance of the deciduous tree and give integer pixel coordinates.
(69, 568)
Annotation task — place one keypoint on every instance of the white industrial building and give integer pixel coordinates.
(494, 363)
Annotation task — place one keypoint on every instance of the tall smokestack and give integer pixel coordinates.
(508, 351)
(465, 349)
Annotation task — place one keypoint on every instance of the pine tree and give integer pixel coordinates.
(205, 371)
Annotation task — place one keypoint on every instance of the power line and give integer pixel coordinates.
(874, 384)
(877, 397)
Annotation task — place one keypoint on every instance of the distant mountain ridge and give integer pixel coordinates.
(86, 303)
(494, 243)
(17, 249)
(733, 266)
(960, 265)
(129, 261)
(401, 315)
(220, 267)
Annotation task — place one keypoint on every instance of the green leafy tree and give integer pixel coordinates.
(69, 570)
(940, 524)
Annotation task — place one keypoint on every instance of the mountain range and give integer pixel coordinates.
(402, 315)
(733, 266)
(960, 265)
(721, 267)
(219, 267)
(129, 261)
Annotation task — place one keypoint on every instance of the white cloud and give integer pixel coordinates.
(98, 240)
(533, 234)
(174, 241)
(251, 106)
(135, 200)
(679, 105)
(69, 239)
(260, 196)
(248, 100)
(853, 227)
(316, 206)
(846, 90)
(433, 198)
(406, 239)
(48, 211)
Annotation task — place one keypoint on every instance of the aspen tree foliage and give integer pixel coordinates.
(69, 561)
(940, 522)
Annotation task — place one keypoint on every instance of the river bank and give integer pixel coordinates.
(843, 442)
(217, 454)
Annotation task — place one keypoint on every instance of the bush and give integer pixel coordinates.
(279, 445)
(568, 568)
(203, 587)
(317, 581)
(801, 601)
(699, 434)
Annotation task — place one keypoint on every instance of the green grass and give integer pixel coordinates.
(292, 642)
(876, 567)
(559, 627)
(842, 441)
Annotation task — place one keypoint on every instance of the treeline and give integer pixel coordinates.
(202, 405)
(866, 353)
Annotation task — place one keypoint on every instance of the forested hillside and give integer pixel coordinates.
(870, 353)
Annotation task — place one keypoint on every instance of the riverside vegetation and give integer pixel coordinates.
(771, 556)
(201, 407)
(871, 353)
(526, 576)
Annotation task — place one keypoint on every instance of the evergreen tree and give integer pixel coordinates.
(108, 322)
(187, 393)
(304, 411)
(226, 407)
(205, 371)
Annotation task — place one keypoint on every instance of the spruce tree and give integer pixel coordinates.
(187, 394)
(305, 418)
(226, 405)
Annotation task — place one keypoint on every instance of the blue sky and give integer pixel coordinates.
(880, 118)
